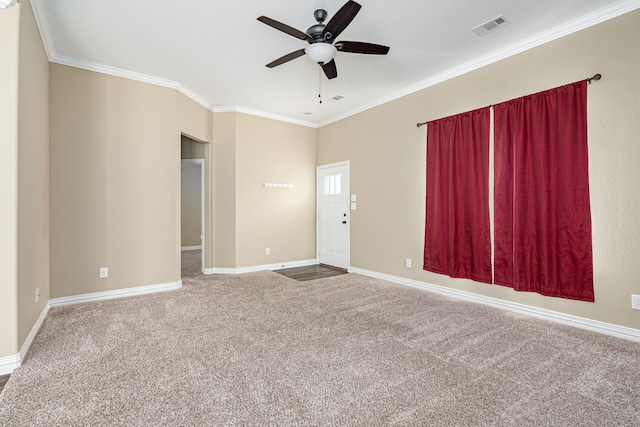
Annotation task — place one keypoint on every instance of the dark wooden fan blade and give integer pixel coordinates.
(362, 47)
(286, 58)
(340, 20)
(330, 69)
(285, 28)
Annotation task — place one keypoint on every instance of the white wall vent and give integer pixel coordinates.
(490, 26)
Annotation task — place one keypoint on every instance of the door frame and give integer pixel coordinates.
(202, 203)
(320, 168)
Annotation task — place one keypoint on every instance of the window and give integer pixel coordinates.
(332, 185)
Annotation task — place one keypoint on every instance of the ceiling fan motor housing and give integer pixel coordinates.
(315, 31)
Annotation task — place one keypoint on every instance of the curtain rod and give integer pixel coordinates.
(596, 77)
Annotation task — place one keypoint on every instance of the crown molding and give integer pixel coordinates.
(43, 26)
(263, 114)
(596, 18)
(604, 14)
(113, 71)
(6, 3)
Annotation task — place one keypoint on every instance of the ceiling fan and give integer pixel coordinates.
(321, 38)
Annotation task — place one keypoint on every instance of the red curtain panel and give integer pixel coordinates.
(542, 211)
(457, 233)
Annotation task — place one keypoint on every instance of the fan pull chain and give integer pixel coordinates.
(320, 84)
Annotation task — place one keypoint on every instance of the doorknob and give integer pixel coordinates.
(344, 222)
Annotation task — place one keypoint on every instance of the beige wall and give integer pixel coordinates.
(9, 58)
(249, 151)
(223, 181)
(387, 154)
(195, 123)
(282, 220)
(193, 120)
(115, 180)
(115, 174)
(33, 174)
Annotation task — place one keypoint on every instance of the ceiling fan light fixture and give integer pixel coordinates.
(321, 53)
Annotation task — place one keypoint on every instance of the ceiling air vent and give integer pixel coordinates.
(490, 26)
(337, 98)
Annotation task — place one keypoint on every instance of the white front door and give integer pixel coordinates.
(333, 214)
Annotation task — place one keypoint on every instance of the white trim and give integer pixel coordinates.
(42, 21)
(130, 75)
(119, 293)
(9, 363)
(587, 21)
(113, 71)
(6, 3)
(565, 319)
(34, 331)
(255, 268)
(333, 165)
(346, 163)
(264, 114)
(191, 248)
(602, 15)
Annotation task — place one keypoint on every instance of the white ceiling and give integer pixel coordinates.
(215, 51)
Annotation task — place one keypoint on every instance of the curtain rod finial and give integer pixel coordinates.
(595, 77)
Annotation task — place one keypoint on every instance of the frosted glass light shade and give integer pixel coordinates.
(320, 53)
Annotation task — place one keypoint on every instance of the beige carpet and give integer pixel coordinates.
(262, 349)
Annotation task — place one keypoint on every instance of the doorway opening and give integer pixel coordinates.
(192, 206)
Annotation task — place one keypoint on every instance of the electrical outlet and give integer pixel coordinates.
(635, 302)
(407, 262)
(267, 251)
(37, 294)
(104, 272)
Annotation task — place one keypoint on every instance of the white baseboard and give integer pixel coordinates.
(119, 293)
(566, 319)
(9, 363)
(191, 248)
(253, 269)
(34, 331)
